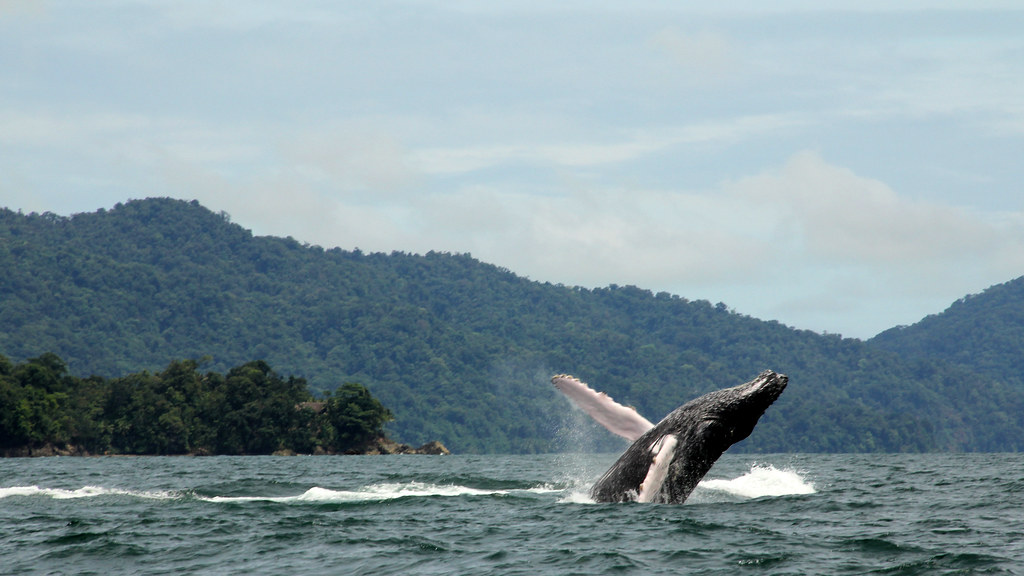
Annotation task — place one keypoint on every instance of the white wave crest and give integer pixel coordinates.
(371, 493)
(377, 493)
(760, 482)
(83, 492)
(577, 497)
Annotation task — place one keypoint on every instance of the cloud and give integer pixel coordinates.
(851, 254)
(706, 57)
(42, 128)
(353, 160)
(594, 152)
(806, 214)
(833, 215)
(23, 7)
(594, 237)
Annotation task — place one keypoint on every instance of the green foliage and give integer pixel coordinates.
(982, 333)
(250, 410)
(355, 417)
(34, 404)
(459, 350)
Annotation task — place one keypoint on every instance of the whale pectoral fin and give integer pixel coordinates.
(618, 419)
(662, 453)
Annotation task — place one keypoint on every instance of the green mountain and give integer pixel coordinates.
(458, 350)
(983, 333)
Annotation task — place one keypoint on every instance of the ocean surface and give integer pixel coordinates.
(776, 514)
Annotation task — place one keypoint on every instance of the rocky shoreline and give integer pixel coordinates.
(379, 446)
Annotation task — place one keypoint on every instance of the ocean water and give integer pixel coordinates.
(776, 514)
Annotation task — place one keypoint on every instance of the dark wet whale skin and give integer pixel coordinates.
(705, 427)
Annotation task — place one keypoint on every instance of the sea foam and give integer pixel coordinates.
(760, 482)
(377, 493)
(371, 493)
(83, 492)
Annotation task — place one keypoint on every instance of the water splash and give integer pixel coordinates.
(84, 492)
(576, 497)
(762, 481)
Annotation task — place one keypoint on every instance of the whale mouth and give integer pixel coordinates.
(769, 385)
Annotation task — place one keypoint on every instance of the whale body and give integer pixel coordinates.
(666, 460)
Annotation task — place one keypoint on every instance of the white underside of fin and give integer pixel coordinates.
(663, 452)
(618, 419)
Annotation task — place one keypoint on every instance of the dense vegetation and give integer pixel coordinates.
(459, 350)
(982, 333)
(180, 410)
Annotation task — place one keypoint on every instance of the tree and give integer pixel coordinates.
(355, 416)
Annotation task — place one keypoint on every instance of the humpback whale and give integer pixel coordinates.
(668, 459)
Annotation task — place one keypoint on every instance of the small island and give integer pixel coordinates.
(250, 410)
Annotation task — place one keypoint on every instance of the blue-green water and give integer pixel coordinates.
(782, 514)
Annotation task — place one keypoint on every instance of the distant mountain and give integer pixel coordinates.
(459, 350)
(983, 333)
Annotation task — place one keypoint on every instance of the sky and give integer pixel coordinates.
(842, 167)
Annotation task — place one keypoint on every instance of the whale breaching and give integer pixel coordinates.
(667, 460)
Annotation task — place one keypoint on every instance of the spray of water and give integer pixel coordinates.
(760, 482)
(84, 492)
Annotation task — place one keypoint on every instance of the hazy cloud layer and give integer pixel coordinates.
(843, 169)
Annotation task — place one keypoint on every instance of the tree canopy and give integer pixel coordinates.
(179, 410)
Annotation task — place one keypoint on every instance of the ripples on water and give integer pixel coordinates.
(783, 514)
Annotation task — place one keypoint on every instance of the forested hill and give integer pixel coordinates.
(459, 351)
(982, 333)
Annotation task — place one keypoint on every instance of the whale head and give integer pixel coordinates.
(724, 417)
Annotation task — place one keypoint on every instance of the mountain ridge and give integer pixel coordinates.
(981, 332)
(458, 349)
